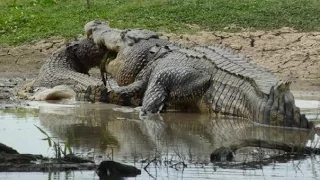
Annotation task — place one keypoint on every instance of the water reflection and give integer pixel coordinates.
(164, 144)
(176, 136)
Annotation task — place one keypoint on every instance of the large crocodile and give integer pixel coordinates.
(205, 78)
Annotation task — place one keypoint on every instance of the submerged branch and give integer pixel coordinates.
(12, 161)
(286, 147)
(227, 153)
(6, 149)
(38, 163)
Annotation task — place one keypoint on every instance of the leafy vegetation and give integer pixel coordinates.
(26, 20)
(58, 149)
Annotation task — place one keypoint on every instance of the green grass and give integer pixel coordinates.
(26, 20)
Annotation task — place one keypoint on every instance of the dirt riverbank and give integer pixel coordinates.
(289, 54)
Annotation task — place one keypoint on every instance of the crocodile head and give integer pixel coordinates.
(87, 53)
(92, 26)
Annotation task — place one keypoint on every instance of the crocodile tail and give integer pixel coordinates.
(280, 109)
(239, 96)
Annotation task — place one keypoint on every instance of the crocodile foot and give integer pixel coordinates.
(93, 94)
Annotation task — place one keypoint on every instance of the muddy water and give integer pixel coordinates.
(161, 144)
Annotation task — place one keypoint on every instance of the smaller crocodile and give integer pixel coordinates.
(70, 66)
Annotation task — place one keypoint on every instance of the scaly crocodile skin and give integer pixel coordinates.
(70, 65)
